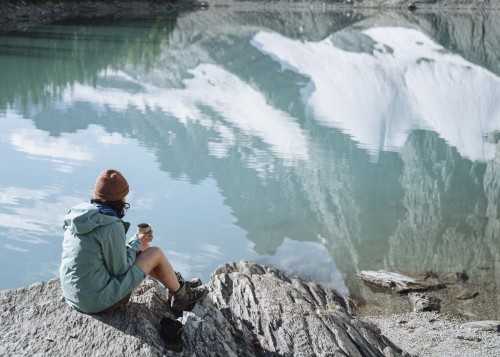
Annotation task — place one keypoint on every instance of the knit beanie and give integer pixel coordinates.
(110, 186)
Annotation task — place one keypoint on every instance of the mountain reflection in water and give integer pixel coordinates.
(340, 147)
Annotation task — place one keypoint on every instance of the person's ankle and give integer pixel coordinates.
(179, 289)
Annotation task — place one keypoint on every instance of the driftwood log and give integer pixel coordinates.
(423, 302)
(401, 282)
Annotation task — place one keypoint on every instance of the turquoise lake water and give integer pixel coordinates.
(321, 143)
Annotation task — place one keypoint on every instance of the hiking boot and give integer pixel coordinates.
(193, 283)
(186, 296)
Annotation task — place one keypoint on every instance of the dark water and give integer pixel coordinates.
(320, 143)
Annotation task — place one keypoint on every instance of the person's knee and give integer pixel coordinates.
(154, 254)
(154, 251)
(149, 259)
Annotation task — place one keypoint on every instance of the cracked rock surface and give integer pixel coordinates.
(251, 310)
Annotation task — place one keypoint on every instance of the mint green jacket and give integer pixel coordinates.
(97, 268)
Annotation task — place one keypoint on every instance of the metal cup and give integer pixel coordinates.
(143, 228)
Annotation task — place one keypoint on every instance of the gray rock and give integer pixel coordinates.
(251, 310)
(486, 325)
(466, 294)
(36, 320)
(453, 277)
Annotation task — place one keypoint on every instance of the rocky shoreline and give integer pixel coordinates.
(432, 334)
(452, 294)
(251, 310)
(427, 330)
(18, 14)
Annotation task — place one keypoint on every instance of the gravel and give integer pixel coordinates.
(433, 334)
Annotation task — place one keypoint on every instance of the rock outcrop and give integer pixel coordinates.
(251, 310)
(411, 5)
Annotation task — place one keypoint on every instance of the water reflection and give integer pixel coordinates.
(38, 62)
(324, 147)
(310, 261)
(382, 83)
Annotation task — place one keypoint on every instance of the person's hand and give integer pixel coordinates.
(145, 238)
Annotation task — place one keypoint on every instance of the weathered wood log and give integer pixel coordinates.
(251, 310)
(423, 302)
(399, 282)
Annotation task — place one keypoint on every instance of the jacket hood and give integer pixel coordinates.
(85, 217)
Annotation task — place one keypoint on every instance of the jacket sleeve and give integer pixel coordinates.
(118, 256)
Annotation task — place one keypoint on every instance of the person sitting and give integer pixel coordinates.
(99, 270)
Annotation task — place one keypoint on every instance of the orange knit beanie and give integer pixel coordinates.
(110, 186)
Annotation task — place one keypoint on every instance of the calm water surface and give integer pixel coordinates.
(320, 143)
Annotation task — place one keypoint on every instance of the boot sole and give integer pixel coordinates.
(189, 305)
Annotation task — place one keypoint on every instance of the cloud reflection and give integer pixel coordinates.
(16, 249)
(308, 260)
(194, 263)
(18, 222)
(25, 214)
(211, 251)
(12, 195)
(40, 143)
(240, 108)
(185, 263)
(380, 84)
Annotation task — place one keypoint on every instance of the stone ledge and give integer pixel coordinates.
(251, 310)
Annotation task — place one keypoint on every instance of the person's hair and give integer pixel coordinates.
(119, 207)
